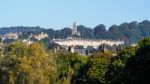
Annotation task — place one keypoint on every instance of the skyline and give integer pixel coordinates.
(58, 14)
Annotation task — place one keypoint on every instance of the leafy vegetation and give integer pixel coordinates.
(137, 67)
(35, 64)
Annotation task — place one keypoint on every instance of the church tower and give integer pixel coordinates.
(75, 31)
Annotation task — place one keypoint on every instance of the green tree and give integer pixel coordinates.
(117, 64)
(114, 74)
(127, 53)
(137, 67)
(96, 69)
(70, 65)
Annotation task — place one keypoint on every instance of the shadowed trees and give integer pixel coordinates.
(137, 67)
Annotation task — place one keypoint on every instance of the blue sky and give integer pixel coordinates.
(61, 13)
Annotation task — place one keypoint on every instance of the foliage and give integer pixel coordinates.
(137, 67)
(126, 53)
(114, 74)
(35, 64)
(145, 42)
(116, 67)
(100, 32)
(70, 65)
(95, 69)
(1, 39)
(27, 65)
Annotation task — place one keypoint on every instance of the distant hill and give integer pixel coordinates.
(5, 30)
(130, 32)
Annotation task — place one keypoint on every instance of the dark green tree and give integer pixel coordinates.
(96, 69)
(137, 67)
(70, 65)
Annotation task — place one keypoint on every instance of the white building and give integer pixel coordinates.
(74, 41)
(86, 42)
(11, 36)
(41, 36)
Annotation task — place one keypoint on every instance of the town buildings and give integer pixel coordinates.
(75, 40)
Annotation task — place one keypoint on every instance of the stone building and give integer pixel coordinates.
(75, 40)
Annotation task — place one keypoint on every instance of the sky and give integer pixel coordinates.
(57, 14)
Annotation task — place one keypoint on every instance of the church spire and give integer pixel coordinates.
(75, 31)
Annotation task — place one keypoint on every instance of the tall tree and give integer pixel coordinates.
(137, 67)
(96, 69)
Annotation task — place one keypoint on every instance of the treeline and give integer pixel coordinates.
(129, 32)
(21, 64)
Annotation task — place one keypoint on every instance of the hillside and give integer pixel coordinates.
(129, 32)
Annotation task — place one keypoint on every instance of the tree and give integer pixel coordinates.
(70, 66)
(1, 39)
(27, 65)
(117, 64)
(96, 69)
(127, 53)
(100, 32)
(137, 67)
(85, 32)
(114, 33)
(114, 74)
